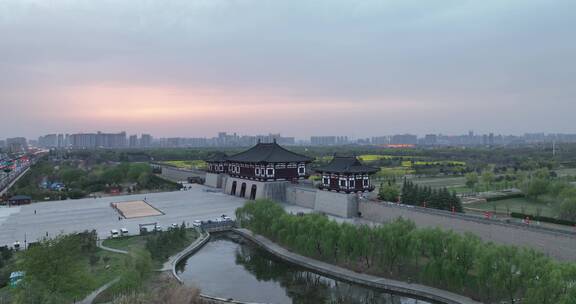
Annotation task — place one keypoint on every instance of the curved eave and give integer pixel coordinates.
(367, 171)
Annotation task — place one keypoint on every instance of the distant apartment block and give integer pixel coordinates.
(380, 140)
(48, 141)
(133, 141)
(98, 140)
(404, 139)
(328, 140)
(16, 144)
(146, 141)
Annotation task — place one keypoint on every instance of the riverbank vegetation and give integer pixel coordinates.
(398, 250)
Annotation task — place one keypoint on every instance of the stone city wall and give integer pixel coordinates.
(556, 244)
(301, 196)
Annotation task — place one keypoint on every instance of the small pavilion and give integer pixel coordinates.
(346, 174)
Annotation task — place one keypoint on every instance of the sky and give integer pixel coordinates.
(300, 67)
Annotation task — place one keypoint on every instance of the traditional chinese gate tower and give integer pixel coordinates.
(262, 171)
(343, 178)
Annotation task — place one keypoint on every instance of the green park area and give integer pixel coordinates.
(61, 270)
(67, 268)
(51, 180)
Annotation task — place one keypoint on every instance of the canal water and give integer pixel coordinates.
(231, 267)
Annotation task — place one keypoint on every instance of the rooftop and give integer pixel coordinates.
(268, 153)
(346, 164)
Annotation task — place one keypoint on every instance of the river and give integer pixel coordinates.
(230, 267)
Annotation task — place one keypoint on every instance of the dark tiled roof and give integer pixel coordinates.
(269, 153)
(346, 164)
(218, 157)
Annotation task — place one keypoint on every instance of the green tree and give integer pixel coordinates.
(487, 178)
(471, 180)
(536, 187)
(388, 192)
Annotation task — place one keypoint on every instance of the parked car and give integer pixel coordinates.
(114, 233)
(196, 223)
(158, 228)
(123, 231)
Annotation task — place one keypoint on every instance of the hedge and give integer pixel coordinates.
(504, 197)
(543, 219)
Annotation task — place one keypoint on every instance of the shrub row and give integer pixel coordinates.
(542, 219)
(504, 197)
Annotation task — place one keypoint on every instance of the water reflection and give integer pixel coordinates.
(230, 267)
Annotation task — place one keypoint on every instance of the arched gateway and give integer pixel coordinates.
(253, 192)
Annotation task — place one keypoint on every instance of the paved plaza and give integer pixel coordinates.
(134, 209)
(32, 222)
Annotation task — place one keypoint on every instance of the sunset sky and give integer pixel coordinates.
(299, 67)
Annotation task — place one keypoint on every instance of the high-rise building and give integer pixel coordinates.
(17, 144)
(61, 143)
(146, 141)
(430, 139)
(133, 141)
(83, 140)
(328, 140)
(404, 139)
(380, 140)
(48, 141)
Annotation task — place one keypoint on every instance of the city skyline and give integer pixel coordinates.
(192, 68)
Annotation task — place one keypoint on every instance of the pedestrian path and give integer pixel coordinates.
(99, 244)
(91, 297)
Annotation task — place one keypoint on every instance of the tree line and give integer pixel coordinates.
(426, 196)
(162, 245)
(444, 259)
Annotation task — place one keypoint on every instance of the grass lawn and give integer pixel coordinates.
(520, 205)
(186, 164)
(440, 182)
(109, 266)
(394, 171)
(128, 243)
(373, 157)
(138, 242)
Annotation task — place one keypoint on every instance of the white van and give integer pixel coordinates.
(114, 233)
(123, 231)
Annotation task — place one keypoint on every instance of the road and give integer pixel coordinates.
(53, 218)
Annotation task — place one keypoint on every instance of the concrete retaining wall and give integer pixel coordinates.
(301, 196)
(334, 203)
(213, 180)
(561, 246)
